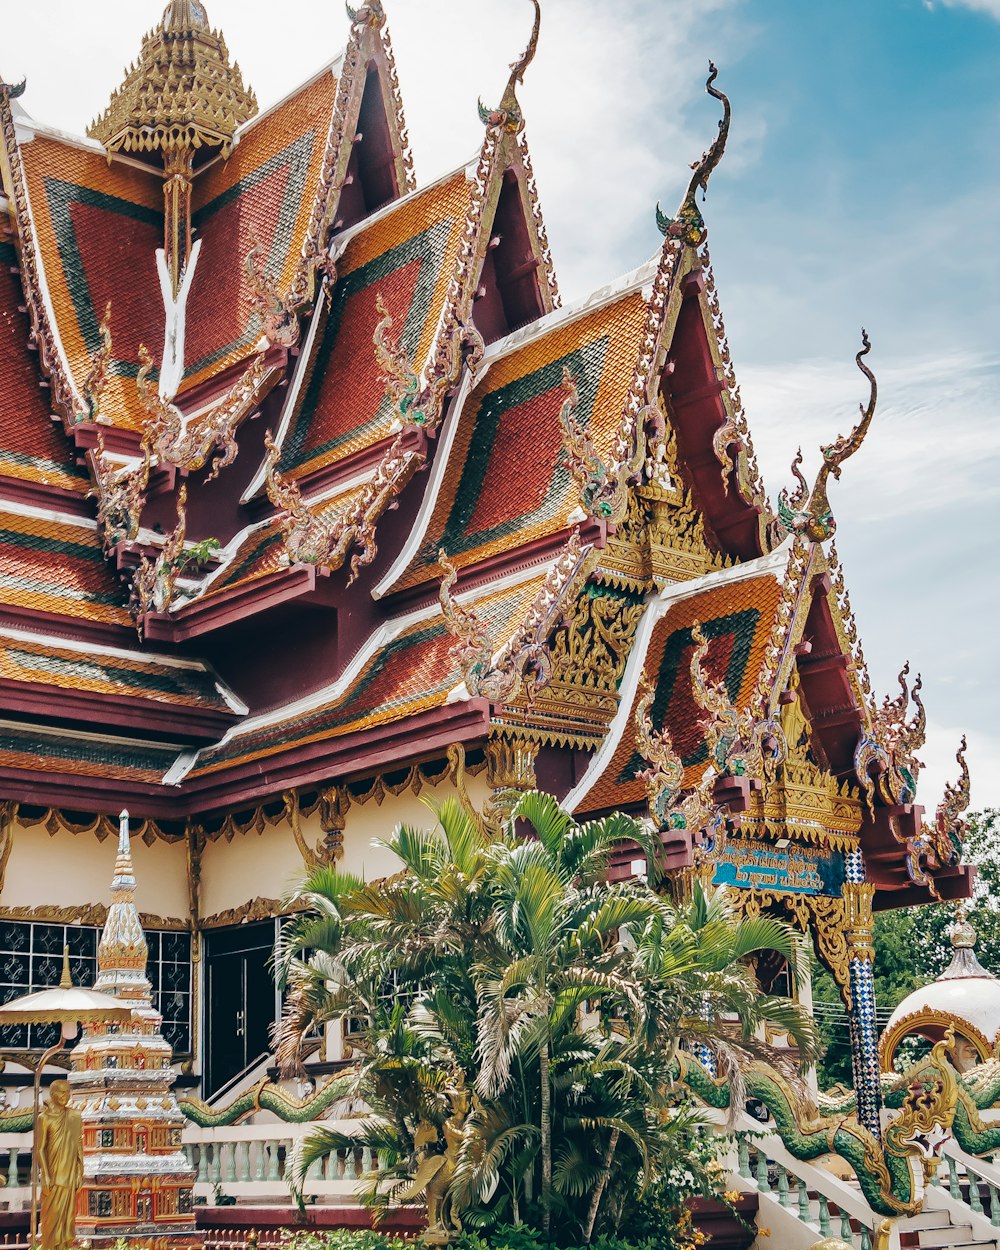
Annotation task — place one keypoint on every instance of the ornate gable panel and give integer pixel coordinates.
(264, 193)
(507, 481)
(55, 566)
(98, 228)
(407, 256)
(737, 619)
(31, 447)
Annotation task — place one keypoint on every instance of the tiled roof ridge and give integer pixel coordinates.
(774, 564)
(66, 398)
(365, 40)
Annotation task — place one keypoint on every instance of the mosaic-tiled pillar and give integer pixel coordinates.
(858, 895)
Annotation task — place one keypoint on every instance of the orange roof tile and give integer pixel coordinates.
(32, 448)
(97, 229)
(139, 676)
(507, 483)
(57, 566)
(265, 193)
(407, 255)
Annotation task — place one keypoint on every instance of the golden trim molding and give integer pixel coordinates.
(89, 914)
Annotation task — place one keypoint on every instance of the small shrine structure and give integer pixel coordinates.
(137, 1181)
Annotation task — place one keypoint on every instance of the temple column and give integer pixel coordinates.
(510, 772)
(858, 918)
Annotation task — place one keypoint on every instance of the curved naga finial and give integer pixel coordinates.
(689, 223)
(939, 845)
(12, 90)
(523, 664)
(369, 14)
(401, 382)
(738, 743)
(507, 114)
(815, 518)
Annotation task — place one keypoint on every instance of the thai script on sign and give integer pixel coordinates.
(751, 864)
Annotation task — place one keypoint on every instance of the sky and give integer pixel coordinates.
(860, 187)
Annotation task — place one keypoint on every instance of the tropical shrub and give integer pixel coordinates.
(511, 967)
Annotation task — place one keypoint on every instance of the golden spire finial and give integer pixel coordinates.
(183, 96)
(689, 223)
(815, 517)
(508, 113)
(185, 15)
(66, 980)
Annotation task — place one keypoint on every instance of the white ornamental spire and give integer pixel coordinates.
(122, 952)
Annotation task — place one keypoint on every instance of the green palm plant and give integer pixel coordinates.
(559, 997)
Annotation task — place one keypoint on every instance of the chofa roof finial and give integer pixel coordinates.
(815, 518)
(370, 14)
(689, 223)
(13, 89)
(508, 113)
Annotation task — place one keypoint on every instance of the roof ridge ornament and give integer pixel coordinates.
(601, 489)
(507, 115)
(689, 224)
(369, 14)
(814, 517)
(13, 90)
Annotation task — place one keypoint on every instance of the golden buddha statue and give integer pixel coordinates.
(59, 1146)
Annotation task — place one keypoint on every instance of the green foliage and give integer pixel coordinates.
(510, 967)
(503, 1237)
(912, 948)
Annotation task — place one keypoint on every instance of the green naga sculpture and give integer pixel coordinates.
(892, 1172)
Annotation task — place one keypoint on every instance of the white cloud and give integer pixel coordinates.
(992, 7)
(934, 440)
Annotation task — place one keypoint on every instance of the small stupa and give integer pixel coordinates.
(136, 1181)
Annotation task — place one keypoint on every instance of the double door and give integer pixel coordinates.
(241, 1002)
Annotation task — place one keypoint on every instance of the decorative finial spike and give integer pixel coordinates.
(13, 90)
(815, 518)
(689, 223)
(123, 836)
(66, 980)
(507, 115)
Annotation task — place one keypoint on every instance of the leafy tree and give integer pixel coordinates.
(513, 967)
(912, 948)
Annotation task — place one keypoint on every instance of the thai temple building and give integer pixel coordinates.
(318, 500)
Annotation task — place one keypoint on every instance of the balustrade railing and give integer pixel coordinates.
(822, 1204)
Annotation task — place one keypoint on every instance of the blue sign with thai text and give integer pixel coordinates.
(753, 864)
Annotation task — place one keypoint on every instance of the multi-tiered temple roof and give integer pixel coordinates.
(306, 476)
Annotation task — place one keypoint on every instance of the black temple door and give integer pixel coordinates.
(240, 1000)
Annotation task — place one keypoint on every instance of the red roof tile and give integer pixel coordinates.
(32, 448)
(98, 228)
(407, 255)
(264, 193)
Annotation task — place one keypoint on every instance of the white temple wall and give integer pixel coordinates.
(267, 864)
(66, 870)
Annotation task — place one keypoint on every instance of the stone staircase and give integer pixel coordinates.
(802, 1203)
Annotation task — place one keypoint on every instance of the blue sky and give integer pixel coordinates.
(861, 186)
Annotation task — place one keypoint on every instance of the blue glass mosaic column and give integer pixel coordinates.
(861, 1015)
(704, 1054)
